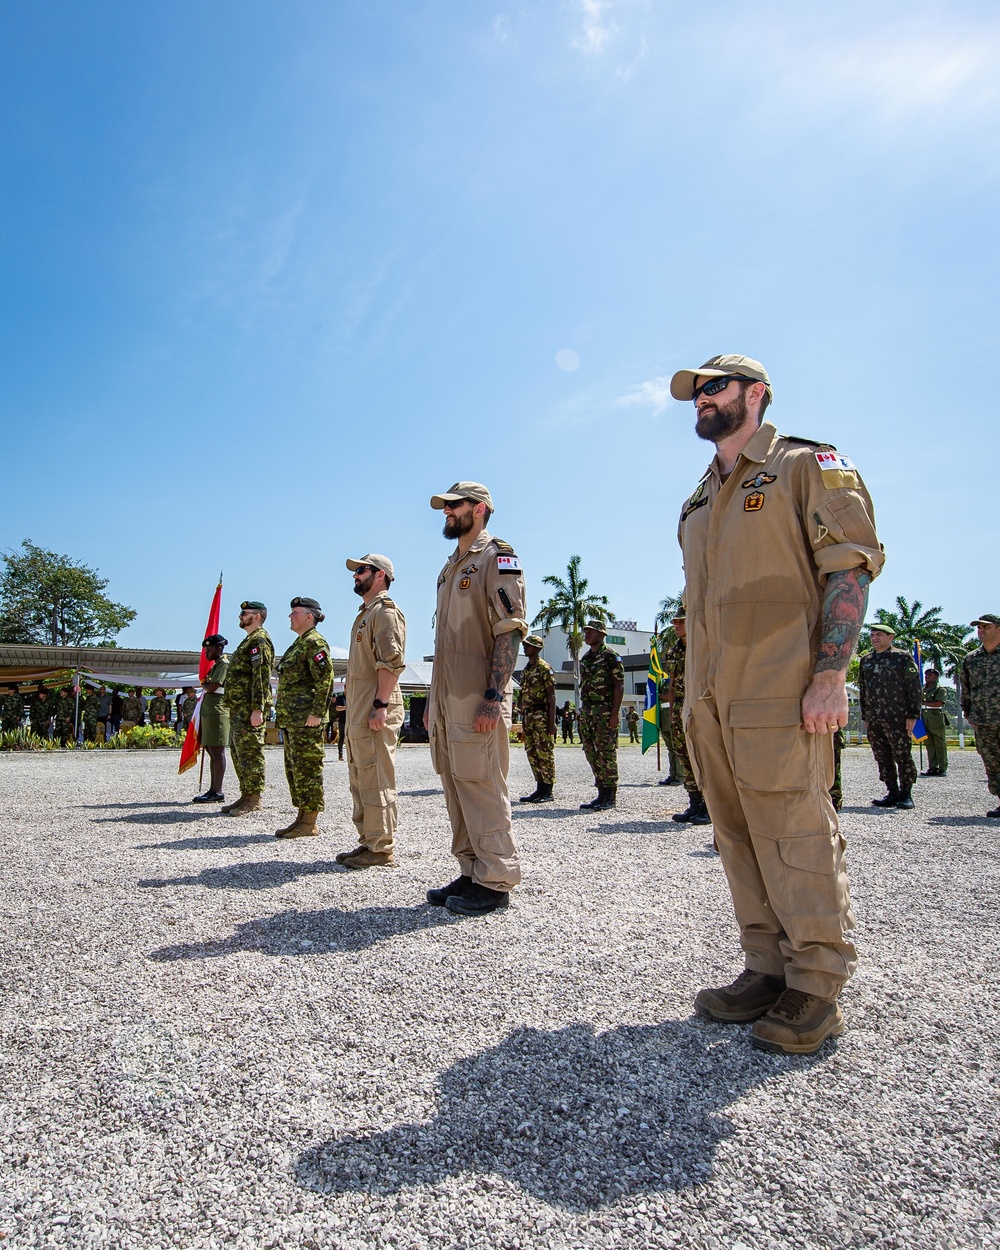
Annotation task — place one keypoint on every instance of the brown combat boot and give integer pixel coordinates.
(797, 1024)
(342, 855)
(281, 833)
(245, 803)
(369, 859)
(749, 996)
(304, 827)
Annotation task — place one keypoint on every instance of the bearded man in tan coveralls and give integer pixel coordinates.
(479, 626)
(374, 711)
(779, 547)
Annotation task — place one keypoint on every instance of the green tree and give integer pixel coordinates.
(669, 607)
(55, 600)
(570, 607)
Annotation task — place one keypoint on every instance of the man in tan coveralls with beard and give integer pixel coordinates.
(374, 711)
(779, 548)
(480, 624)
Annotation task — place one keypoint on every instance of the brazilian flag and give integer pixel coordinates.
(651, 711)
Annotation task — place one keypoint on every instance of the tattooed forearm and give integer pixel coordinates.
(505, 652)
(844, 607)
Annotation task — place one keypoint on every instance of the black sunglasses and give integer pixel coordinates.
(715, 385)
(452, 504)
(364, 568)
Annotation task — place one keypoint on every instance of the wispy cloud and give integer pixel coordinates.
(596, 27)
(653, 393)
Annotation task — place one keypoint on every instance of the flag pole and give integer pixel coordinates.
(201, 773)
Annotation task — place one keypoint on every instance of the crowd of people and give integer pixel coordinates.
(76, 714)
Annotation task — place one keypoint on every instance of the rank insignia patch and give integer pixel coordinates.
(465, 583)
(754, 501)
(762, 479)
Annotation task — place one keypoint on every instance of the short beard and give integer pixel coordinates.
(363, 584)
(725, 421)
(456, 526)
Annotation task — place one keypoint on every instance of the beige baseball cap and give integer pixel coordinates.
(475, 491)
(376, 561)
(682, 383)
(886, 629)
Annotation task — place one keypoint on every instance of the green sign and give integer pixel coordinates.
(616, 639)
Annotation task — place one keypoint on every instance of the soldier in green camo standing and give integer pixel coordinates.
(305, 674)
(158, 712)
(248, 698)
(538, 716)
(673, 665)
(65, 714)
(981, 698)
(632, 720)
(11, 711)
(602, 685)
(889, 690)
(90, 706)
(132, 710)
(40, 712)
(936, 722)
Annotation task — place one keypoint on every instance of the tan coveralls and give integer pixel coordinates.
(476, 602)
(378, 640)
(757, 553)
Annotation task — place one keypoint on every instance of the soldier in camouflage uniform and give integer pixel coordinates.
(65, 716)
(90, 703)
(602, 684)
(248, 698)
(673, 666)
(188, 705)
(981, 698)
(159, 710)
(936, 723)
(837, 789)
(889, 686)
(11, 711)
(632, 720)
(40, 712)
(305, 674)
(538, 715)
(132, 710)
(566, 716)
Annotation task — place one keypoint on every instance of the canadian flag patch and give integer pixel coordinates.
(833, 460)
(508, 564)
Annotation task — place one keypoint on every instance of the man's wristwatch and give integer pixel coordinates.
(378, 703)
(492, 695)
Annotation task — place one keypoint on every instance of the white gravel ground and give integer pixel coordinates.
(213, 1039)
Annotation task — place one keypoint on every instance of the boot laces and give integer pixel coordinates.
(792, 1004)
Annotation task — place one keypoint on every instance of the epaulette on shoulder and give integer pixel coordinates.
(505, 549)
(809, 442)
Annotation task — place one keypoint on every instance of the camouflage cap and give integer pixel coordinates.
(253, 605)
(682, 383)
(534, 640)
(376, 561)
(886, 629)
(987, 618)
(215, 640)
(475, 491)
(310, 605)
(599, 626)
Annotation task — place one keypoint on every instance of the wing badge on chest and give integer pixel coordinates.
(762, 479)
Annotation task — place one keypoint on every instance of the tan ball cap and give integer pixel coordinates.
(475, 491)
(376, 561)
(682, 383)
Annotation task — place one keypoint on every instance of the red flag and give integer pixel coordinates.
(211, 628)
(192, 742)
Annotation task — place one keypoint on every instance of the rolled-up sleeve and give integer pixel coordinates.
(505, 593)
(389, 640)
(840, 521)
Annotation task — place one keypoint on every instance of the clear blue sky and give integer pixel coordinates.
(272, 274)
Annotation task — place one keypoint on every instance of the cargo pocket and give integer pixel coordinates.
(468, 752)
(814, 852)
(769, 750)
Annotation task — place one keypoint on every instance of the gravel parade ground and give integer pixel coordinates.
(211, 1038)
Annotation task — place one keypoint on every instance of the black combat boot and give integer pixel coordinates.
(905, 801)
(533, 797)
(695, 804)
(890, 800)
(606, 799)
(593, 802)
(544, 792)
(701, 816)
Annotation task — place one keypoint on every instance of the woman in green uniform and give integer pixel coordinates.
(214, 726)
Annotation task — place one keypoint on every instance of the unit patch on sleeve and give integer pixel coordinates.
(754, 501)
(508, 564)
(838, 470)
(320, 659)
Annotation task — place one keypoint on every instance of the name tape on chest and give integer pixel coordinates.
(508, 564)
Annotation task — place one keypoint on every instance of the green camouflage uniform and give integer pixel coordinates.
(566, 717)
(889, 686)
(89, 706)
(837, 789)
(65, 714)
(599, 672)
(158, 712)
(981, 705)
(40, 713)
(248, 689)
(187, 709)
(11, 712)
(673, 666)
(132, 708)
(936, 723)
(632, 720)
(536, 682)
(305, 674)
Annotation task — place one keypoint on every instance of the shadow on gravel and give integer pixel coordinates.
(223, 842)
(113, 807)
(977, 821)
(577, 1119)
(641, 826)
(542, 809)
(176, 816)
(418, 794)
(313, 932)
(267, 876)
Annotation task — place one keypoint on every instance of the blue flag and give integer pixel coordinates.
(919, 731)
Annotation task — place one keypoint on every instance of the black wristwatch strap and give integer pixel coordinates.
(492, 695)
(379, 703)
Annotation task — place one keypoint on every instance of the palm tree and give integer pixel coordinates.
(913, 623)
(570, 607)
(670, 605)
